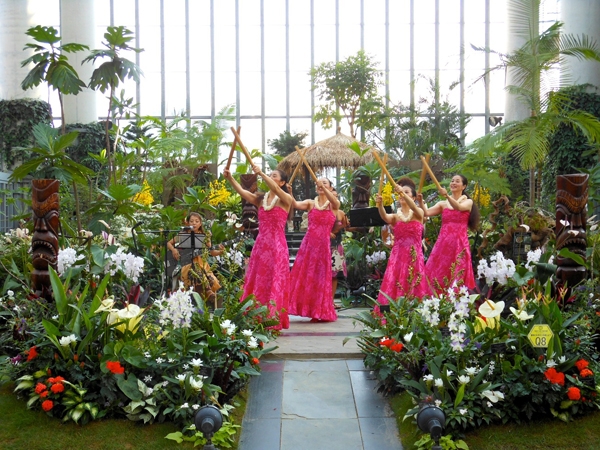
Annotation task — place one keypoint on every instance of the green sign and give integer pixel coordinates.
(540, 335)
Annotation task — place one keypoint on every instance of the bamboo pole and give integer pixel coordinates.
(239, 141)
(430, 172)
(296, 170)
(312, 174)
(381, 177)
(233, 145)
(423, 172)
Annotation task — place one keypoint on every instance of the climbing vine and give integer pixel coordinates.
(17, 119)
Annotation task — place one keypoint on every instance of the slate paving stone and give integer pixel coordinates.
(368, 402)
(307, 403)
(324, 434)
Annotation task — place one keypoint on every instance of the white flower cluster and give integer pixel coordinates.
(430, 311)
(252, 341)
(66, 259)
(499, 269)
(228, 327)
(533, 256)
(65, 341)
(456, 322)
(132, 266)
(177, 309)
(376, 257)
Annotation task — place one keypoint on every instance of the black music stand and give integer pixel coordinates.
(367, 217)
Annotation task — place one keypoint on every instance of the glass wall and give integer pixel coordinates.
(201, 55)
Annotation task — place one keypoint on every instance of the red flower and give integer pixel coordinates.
(39, 388)
(541, 358)
(254, 360)
(115, 367)
(75, 357)
(58, 379)
(586, 373)
(397, 347)
(31, 353)
(387, 342)
(555, 377)
(573, 393)
(44, 394)
(57, 388)
(582, 364)
(47, 405)
(51, 380)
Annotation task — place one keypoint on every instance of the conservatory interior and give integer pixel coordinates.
(293, 224)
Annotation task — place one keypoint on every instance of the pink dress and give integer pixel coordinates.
(405, 272)
(310, 280)
(451, 250)
(268, 272)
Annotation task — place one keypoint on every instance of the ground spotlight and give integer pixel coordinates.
(431, 419)
(208, 420)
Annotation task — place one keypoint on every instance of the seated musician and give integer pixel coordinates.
(197, 272)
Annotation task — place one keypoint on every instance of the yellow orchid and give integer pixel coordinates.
(481, 323)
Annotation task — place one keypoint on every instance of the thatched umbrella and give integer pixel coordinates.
(330, 152)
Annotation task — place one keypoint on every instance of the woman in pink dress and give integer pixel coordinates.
(450, 259)
(310, 280)
(268, 271)
(405, 272)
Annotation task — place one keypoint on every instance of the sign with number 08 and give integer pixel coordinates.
(540, 335)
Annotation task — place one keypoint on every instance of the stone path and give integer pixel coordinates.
(315, 393)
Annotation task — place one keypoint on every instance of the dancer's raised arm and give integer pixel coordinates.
(276, 181)
(250, 197)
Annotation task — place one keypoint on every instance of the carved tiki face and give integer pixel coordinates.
(44, 244)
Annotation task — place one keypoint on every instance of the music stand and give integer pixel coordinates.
(191, 240)
(367, 217)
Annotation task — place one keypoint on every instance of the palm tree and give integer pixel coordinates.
(531, 66)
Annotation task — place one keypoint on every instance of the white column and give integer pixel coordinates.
(15, 18)
(78, 25)
(514, 108)
(582, 17)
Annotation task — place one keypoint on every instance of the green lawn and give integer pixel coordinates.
(21, 429)
(581, 434)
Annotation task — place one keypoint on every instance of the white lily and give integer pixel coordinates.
(489, 309)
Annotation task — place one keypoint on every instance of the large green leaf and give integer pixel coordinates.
(129, 386)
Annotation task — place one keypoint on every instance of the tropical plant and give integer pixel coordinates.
(111, 73)
(351, 86)
(51, 65)
(531, 66)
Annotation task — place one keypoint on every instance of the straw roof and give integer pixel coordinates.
(330, 152)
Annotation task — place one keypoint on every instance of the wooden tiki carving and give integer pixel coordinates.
(571, 218)
(361, 192)
(44, 244)
(249, 211)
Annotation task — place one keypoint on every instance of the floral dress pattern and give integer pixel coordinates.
(450, 259)
(268, 271)
(310, 280)
(405, 272)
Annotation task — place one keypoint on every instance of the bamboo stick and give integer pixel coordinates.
(233, 145)
(381, 177)
(430, 172)
(312, 174)
(423, 172)
(295, 172)
(239, 141)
